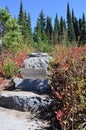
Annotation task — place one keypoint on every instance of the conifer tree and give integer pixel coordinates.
(49, 28)
(75, 25)
(76, 28)
(80, 25)
(24, 27)
(37, 32)
(29, 28)
(21, 14)
(70, 29)
(12, 37)
(56, 30)
(62, 31)
(73, 17)
(29, 25)
(7, 9)
(4, 17)
(42, 24)
(83, 30)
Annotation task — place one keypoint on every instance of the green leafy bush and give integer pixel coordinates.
(9, 68)
(42, 46)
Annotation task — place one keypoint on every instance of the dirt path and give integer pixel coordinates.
(16, 120)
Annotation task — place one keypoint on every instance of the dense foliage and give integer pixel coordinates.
(16, 31)
(68, 85)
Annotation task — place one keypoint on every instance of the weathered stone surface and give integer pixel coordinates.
(37, 60)
(33, 73)
(35, 85)
(24, 101)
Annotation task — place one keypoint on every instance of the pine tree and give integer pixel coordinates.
(75, 26)
(12, 38)
(4, 17)
(21, 14)
(80, 25)
(42, 24)
(25, 25)
(76, 29)
(29, 28)
(37, 32)
(73, 17)
(56, 30)
(83, 30)
(24, 28)
(7, 9)
(70, 29)
(62, 31)
(49, 28)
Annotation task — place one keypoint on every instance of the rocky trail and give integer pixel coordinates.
(28, 96)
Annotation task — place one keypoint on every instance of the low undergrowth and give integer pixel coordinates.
(68, 85)
(11, 61)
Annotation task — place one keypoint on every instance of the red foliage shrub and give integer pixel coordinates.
(68, 84)
(11, 62)
(1, 81)
(19, 58)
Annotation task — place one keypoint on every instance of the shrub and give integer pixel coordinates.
(19, 58)
(42, 46)
(9, 68)
(68, 84)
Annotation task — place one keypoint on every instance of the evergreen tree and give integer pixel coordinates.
(29, 28)
(7, 9)
(25, 25)
(83, 30)
(4, 17)
(49, 28)
(12, 38)
(76, 29)
(21, 14)
(70, 29)
(37, 32)
(24, 28)
(42, 24)
(83, 19)
(80, 25)
(56, 30)
(75, 26)
(62, 31)
(73, 17)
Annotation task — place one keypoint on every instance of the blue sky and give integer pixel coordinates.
(50, 7)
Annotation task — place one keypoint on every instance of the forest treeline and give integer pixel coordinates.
(16, 31)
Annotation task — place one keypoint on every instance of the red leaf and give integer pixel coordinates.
(59, 115)
(1, 81)
(59, 96)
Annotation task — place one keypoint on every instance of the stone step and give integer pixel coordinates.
(24, 101)
(39, 86)
(33, 73)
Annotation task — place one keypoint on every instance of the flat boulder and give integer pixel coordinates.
(39, 86)
(38, 60)
(33, 73)
(24, 101)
